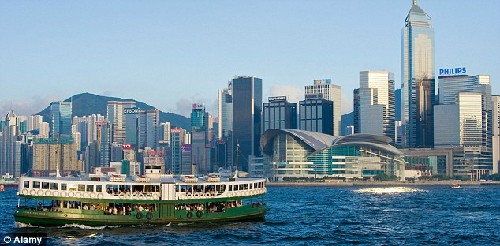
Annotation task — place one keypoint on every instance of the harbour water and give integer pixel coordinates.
(422, 215)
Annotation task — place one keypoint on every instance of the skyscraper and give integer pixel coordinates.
(61, 116)
(464, 119)
(247, 110)
(225, 144)
(8, 139)
(316, 115)
(376, 103)
(417, 82)
(199, 139)
(326, 90)
(117, 119)
(279, 114)
(225, 104)
(355, 110)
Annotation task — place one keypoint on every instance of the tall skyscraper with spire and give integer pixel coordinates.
(417, 82)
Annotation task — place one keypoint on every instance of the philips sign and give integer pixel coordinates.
(452, 71)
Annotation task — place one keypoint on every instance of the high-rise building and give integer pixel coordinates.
(177, 136)
(225, 105)
(55, 155)
(450, 87)
(103, 141)
(225, 127)
(61, 116)
(417, 82)
(247, 110)
(141, 127)
(279, 114)
(164, 133)
(464, 119)
(117, 119)
(376, 103)
(355, 110)
(8, 139)
(200, 145)
(316, 115)
(326, 90)
(496, 132)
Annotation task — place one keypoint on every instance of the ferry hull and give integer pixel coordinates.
(46, 218)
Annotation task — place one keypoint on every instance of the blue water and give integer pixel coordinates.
(423, 215)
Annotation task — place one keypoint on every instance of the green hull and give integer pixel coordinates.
(164, 216)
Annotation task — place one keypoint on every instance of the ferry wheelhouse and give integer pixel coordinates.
(119, 200)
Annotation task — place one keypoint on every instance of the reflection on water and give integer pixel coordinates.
(389, 190)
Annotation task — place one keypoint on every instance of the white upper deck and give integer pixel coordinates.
(141, 188)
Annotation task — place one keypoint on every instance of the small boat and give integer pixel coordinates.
(2, 188)
(456, 186)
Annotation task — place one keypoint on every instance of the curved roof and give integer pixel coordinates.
(315, 140)
(319, 141)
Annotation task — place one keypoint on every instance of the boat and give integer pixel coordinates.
(110, 200)
(8, 180)
(2, 188)
(456, 186)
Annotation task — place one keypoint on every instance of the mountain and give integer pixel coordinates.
(86, 104)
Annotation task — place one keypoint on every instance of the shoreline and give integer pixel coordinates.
(384, 183)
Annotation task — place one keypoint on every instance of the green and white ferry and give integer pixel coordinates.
(119, 200)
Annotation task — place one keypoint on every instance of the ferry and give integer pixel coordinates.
(111, 200)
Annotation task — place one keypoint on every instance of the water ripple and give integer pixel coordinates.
(430, 215)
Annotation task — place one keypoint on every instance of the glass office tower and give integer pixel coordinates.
(247, 111)
(417, 82)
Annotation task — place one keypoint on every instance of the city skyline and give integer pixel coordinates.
(130, 50)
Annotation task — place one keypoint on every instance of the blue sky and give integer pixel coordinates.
(173, 53)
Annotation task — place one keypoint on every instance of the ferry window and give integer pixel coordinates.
(242, 187)
(245, 186)
(109, 189)
(156, 188)
(90, 188)
(63, 186)
(45, 185)
(235, 187)
(26, 184)
(251, 186)
(81, 187)
(98, 188)
(137, 188)
(36, 184)
(54, 186)
(230, 188)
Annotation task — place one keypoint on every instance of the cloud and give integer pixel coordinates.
(292, 93)
(183, 106)
(27, 106)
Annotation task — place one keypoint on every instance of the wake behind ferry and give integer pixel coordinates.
(121, 200)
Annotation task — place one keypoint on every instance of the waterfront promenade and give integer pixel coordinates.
(384, 183)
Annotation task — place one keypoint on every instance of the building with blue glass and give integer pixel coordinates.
(247, 111)
(61, 114)
(417, 82)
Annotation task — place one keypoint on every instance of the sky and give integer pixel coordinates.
(171, 54)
